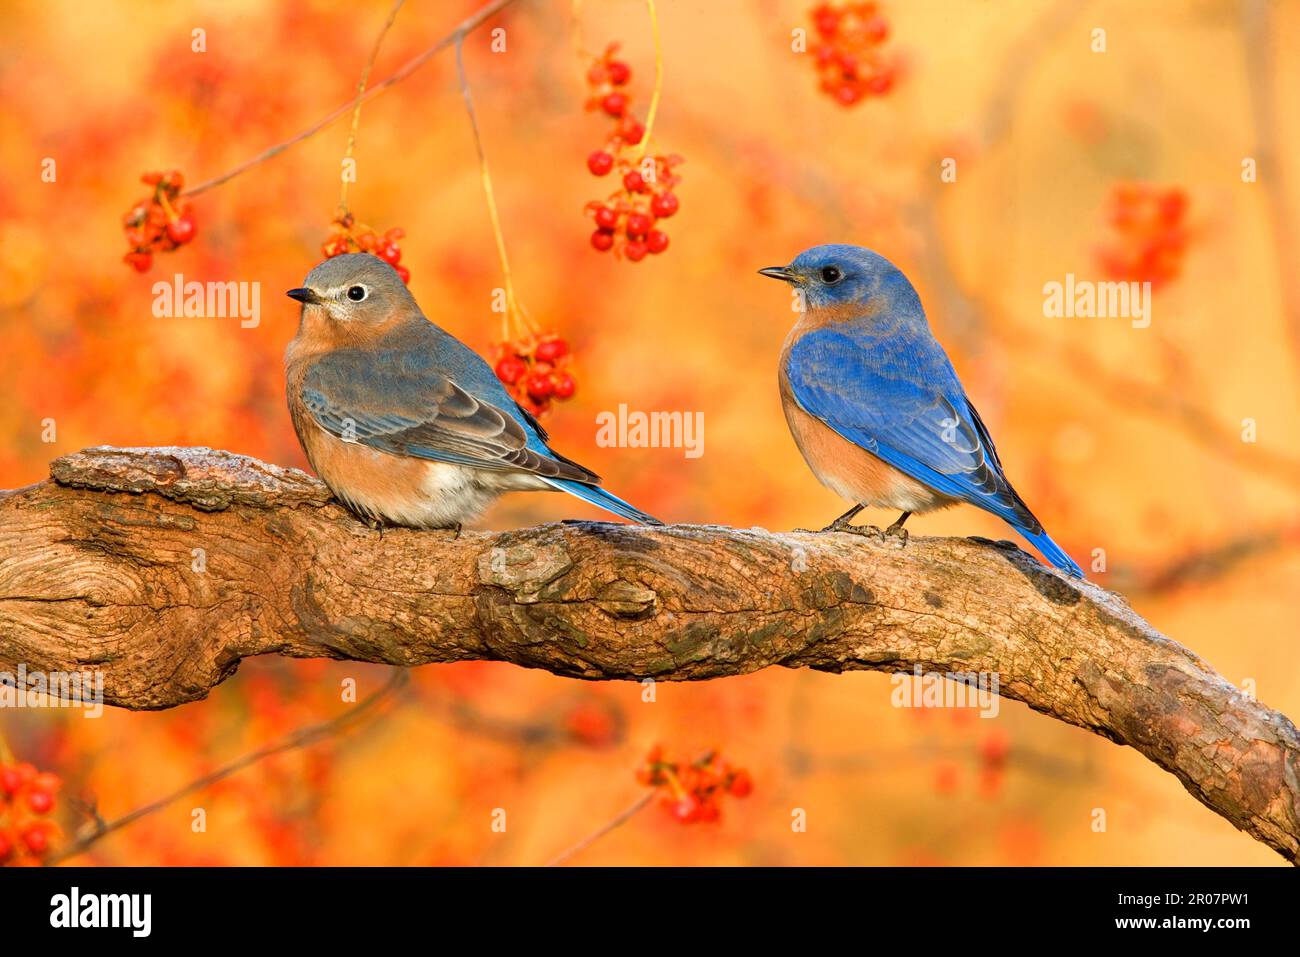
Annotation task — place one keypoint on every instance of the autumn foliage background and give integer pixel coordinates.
(1126, 440)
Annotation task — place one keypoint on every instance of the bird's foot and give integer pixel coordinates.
(896, 532)
(455, 530)
(866, 531)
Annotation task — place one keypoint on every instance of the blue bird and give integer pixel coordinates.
(403, 422)
(874, 403)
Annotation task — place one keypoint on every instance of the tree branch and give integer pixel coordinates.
(98, 572)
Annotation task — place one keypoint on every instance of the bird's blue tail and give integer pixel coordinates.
(598, 496)
(1052, 552)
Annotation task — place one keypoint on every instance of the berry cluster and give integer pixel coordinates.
(692, 791)
(26, 799)
(1151, 234)
(850, 64)
(626, 221)
(348, 236)
(535, 367)
(158, 223)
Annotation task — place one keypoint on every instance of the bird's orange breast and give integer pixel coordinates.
(849, 470)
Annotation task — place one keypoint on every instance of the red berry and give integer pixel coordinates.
(615, 104)
(564, 385)
(10, 780)
(686, 809)
(600, 162)
(40, 801)
(631, 132)
(741, 784)
(656, 241)
(403, 273)
(181, 231)
(618, 72)
(139, 261)
(602, 240)
(635, 250)
(876, 29)
(826, 20)
(606, 218)
(880, 83)
(995, 748)
(638, 224)
(633, 182)
(548, 350)
(36, 838)
(664, 205)
(539, 386)
(390, 253)
(1172, 205)
(848, 93)
(511, 369)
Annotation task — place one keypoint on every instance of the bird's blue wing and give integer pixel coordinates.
(899, 398)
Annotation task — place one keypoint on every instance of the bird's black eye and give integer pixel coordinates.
(831, 274)
(356, 293)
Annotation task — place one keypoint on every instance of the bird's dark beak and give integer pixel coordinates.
(782, 273)
(303, 295)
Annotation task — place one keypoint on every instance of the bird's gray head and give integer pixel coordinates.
(355, 288)
(842, 275)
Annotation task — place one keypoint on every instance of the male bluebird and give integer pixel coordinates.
(403, 422)
(874, 404)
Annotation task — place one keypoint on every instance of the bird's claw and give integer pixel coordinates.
(866, 531)
(896, 532)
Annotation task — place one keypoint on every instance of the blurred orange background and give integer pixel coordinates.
(1124, 440)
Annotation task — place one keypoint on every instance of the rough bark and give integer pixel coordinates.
(97, 572)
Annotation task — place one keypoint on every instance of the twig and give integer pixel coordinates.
(659, 81)
(1197, 423)
(465, 26)
(1272, 165)
(298, 738)
(514, 311)
(622, 818)
(361, 92)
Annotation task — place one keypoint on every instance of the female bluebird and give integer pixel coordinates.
(876, 407)
(404, 423)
